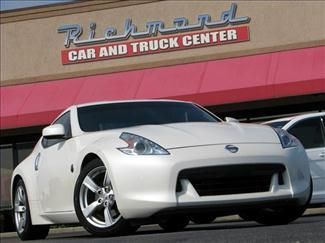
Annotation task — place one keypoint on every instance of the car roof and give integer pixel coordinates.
(279, 120)
(293, 119)
(129, 101)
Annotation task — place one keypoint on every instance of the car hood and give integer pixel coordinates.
(202, 133)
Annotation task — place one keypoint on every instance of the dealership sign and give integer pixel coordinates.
(155, 39)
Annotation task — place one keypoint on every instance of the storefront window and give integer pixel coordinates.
(23, 150)
(7, 165)
(11, 155)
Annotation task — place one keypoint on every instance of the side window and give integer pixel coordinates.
(65, 121)
(322, 119)
(309, 132)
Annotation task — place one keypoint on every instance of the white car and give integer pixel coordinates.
(310, 130)
(116, 165)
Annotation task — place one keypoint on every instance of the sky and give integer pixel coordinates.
(18, 4)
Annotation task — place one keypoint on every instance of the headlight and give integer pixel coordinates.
(138, 145)
(287, 140)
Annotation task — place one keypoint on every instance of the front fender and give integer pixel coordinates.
(106, 150)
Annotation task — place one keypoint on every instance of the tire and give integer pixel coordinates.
(23, 223)
(202, 218)
(102, 218)
(174, 223)
(278, 216)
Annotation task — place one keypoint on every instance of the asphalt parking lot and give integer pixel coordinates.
(310, 228)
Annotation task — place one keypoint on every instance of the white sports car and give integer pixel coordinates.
(116, 165)
(310, 130)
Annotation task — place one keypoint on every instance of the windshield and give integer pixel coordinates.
(120, 115)
(278, 124)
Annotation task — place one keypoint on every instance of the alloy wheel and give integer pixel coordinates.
(20, 209)
(97, 199)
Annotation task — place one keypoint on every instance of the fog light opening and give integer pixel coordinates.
(280, 178)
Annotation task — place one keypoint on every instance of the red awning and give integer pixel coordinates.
(280, 74)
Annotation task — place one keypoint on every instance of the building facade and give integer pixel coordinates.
(247, 59)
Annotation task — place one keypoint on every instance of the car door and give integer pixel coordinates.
(310, 132)
(55, 177)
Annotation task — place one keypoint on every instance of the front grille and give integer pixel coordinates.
(231, 179)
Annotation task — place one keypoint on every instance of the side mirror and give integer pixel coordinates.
(54, 131)
(230, 119)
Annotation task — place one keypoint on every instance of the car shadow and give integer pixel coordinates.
(157, 230)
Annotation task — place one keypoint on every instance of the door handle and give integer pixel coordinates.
(322, 155)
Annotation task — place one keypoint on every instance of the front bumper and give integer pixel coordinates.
(146, 185)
